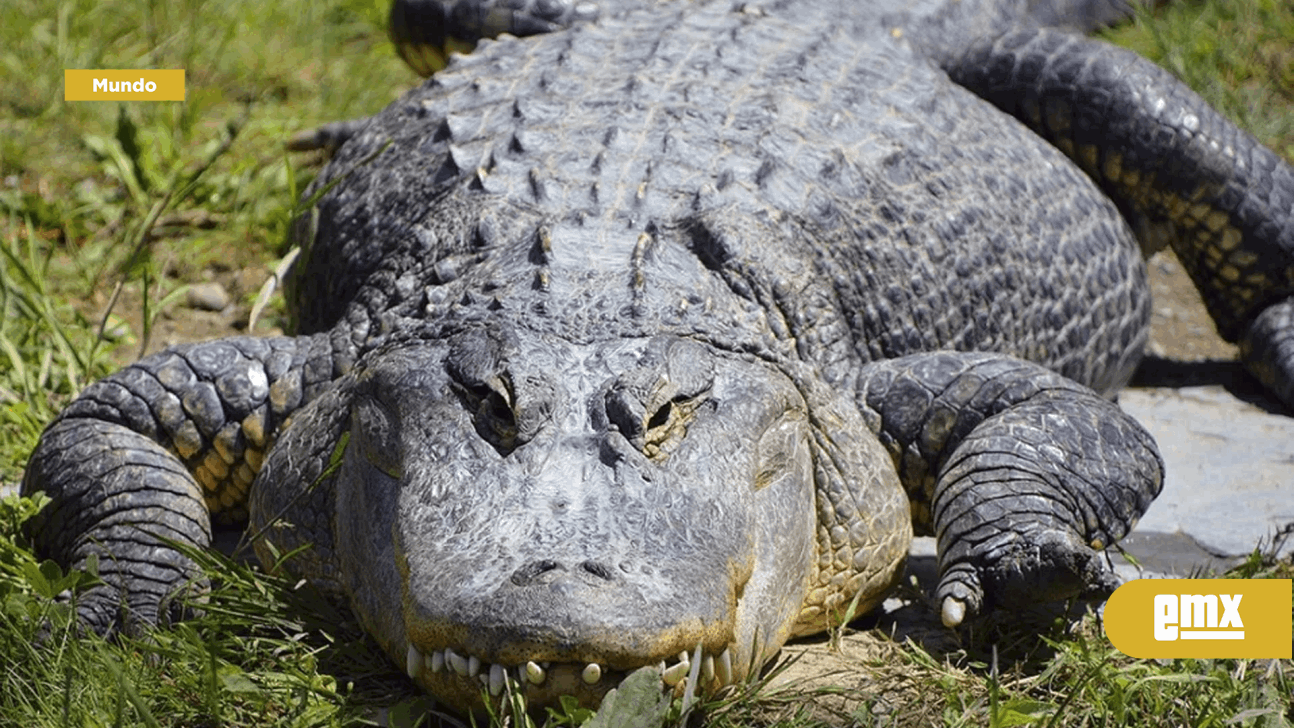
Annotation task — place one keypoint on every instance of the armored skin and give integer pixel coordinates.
(653, 337)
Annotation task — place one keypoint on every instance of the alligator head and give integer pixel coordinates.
(513, 505)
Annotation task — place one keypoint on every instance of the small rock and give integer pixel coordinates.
(207, 296)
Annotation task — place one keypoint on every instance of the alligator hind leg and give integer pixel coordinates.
(1181, 173)
(1022, 475)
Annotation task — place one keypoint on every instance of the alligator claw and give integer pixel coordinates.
(959, 594)
(953, 611)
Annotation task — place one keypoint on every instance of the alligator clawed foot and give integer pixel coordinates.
(1056, 566)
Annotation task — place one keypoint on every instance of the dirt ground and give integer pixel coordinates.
(184, 322)
(1181, 329)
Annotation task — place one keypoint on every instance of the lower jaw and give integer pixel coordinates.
(464, 681)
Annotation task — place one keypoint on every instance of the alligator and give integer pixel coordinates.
(650, 336)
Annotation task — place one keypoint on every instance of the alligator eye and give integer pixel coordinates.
(492, 413)
(496, 410)
(661, 418)
(667, 426)
(653, 404)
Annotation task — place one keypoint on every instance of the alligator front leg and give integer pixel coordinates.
(1180, 172)
(1022, 475)
(143, 459)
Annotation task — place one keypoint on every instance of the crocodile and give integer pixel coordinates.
(650, 336)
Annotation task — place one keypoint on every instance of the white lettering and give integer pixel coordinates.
(100, 84)
(1165, 617)
(1231, 611)
(1199, 610)
(150, 87)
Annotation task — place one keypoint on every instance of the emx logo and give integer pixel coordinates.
(1199, 611)
(1201, 618)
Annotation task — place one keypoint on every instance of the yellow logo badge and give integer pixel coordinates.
(1210, 618)
(82, 84)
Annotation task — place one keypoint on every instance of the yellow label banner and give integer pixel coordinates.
(1208, 618)
(83, 84)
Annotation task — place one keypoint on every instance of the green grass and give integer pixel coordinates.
(154, 195)
(150, 197)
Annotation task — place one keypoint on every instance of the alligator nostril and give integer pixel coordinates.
(600, 570)
(547, 571)
(533, 570)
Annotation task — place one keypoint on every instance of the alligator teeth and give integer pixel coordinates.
(535, 674)
(456, 662)
(496, 679)
(693, 675)
(674, 675)
(709, 669)
(723, 668)
(413, 662)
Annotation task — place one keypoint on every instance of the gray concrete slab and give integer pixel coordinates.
(1229, 481)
